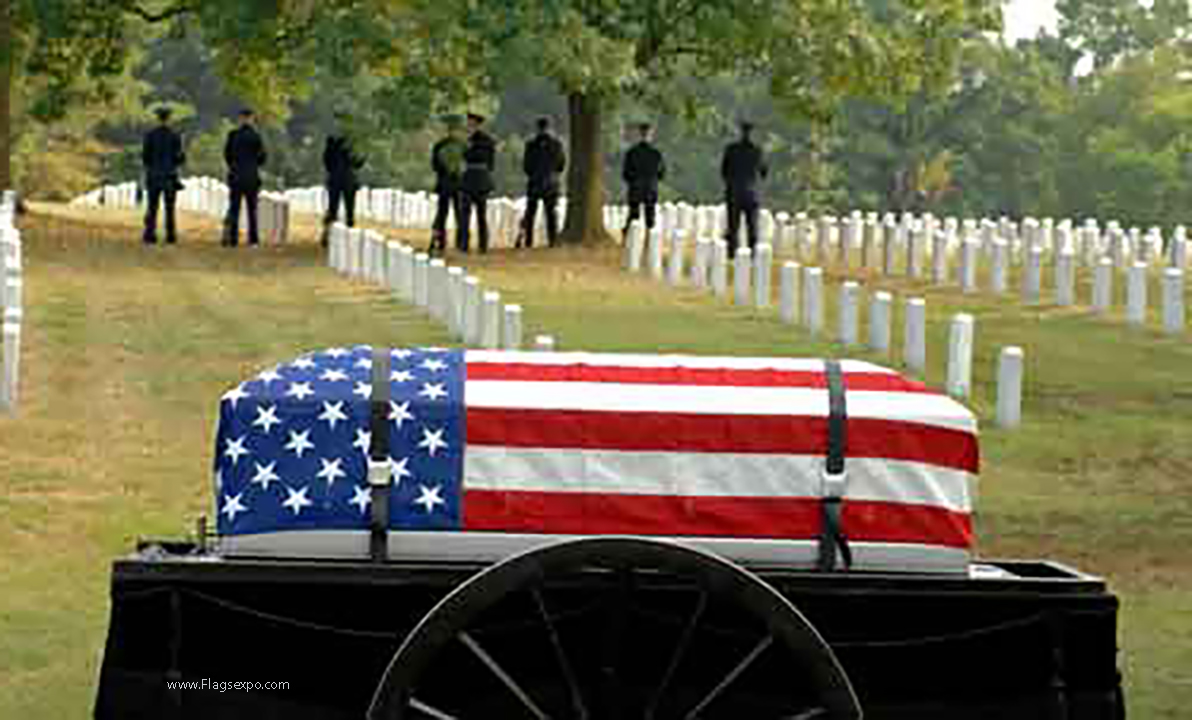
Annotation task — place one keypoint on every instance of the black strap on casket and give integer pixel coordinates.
(378, 454)
(832, 540)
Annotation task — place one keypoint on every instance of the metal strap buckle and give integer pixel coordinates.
(833, 485)
(379, 474)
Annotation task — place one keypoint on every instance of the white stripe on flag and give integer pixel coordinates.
(709, 475)
(668, 361)
(934, 410)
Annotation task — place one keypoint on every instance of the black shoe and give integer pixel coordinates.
(149, 241)
(171, 241)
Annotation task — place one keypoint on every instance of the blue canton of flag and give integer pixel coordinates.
(293, 443)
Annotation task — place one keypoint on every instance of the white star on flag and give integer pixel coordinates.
(333, 413)
(269, 376)
(364, 390)
(233, 506)
(364, 363)
(266, 418)
(398, 469)
(300, 391)
(304, 363)
(401, 376)
(300, 442)
(265, 475)
(433, 441)
(235, 449)
(361, 498)
(399, 413)
(235, 395)
(433, 391)
(297, 500)
(401, 354)
(434, 365)
(429, 497)
(331, 471)
(219, 480)
(336, 353)
(334, 376)
(363, 440)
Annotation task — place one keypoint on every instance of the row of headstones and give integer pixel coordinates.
(471, 314)
(204, 196)
(416, 211)
(801, 300)
(903, 243)
(11, 303)
(889, 242)
(906, 245)
(710, 260)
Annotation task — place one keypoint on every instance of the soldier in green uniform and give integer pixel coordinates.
(447, 160)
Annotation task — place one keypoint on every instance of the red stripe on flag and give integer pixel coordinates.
(695, 433)
(743, 517)
(527, 372)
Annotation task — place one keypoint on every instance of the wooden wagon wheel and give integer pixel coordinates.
(610, 627)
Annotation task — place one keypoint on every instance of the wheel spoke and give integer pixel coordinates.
(577, 699)
(733, 675)
(677, 656)
(610, 697)
(503, 676)
(428, 710)
(812, 714)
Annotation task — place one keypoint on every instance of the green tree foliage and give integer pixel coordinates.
(811, 53)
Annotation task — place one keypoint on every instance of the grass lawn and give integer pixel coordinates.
(128, 349)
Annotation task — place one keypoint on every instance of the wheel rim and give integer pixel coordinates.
(665, 611)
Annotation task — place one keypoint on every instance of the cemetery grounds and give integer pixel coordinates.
(128, 349)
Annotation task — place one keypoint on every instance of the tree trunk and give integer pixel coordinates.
(585, 173)
(6, 63)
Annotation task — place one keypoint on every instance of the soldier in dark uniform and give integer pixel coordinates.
(244, 154)
(447, 160)
(544, 160)
(162, 156)
(641, 170)
(479, 159)
(742, 168)
(341, 162)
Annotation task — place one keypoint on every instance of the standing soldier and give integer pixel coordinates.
(641, 170)
(447, 160)
(480, 159)
(341, 163)
(543, 162)
(244, 154)
(742, 168)
(162, 156)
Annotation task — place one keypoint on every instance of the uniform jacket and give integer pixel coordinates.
(341, 162)
(447, 160)
(542, 163)
(643, 167)
(481, 160)
(162, 156)
(742, 168)
(245, 154)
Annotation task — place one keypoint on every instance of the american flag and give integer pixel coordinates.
(583, 443)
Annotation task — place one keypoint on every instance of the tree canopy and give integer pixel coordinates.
(877, 104)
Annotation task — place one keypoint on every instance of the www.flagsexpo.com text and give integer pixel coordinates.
(226, 685)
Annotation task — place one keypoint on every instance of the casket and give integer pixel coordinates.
(480, 454)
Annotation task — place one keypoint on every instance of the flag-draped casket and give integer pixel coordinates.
(492, 452)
